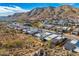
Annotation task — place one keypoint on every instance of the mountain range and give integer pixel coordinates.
(43, 13)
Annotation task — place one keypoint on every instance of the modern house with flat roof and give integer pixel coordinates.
(75, 31)
(60, 40)
(72, 45)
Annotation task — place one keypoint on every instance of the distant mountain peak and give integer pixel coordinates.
(66, 6)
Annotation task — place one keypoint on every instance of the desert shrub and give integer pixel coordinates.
(6, 31)
(1, 44)
(3, 52)
(18, 43)
(13, 44)
(8, 45)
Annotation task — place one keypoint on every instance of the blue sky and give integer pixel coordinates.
(11, 8)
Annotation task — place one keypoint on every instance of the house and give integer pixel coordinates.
(27, 24)
(76, 31)
(18, 27)
(63, 22)
(72, 45)
(48, 26)
(16, 24)
(50, 37)
(60, 40)
(58, 29)
(32, 30)
(77, 23)
(25, 30)
(64, 29)
(42, 34)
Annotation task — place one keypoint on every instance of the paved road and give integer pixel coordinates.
(71, 36)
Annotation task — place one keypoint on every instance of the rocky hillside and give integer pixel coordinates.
(62, 12)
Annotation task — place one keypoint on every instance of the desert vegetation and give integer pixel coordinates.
(13, 42)
(16, 43)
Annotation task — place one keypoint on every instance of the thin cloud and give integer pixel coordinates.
(5, 10)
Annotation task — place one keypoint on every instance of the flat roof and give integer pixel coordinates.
(51, 36)
(58, 38)
(74, 41)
